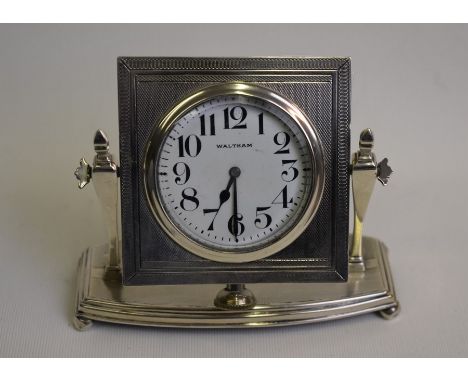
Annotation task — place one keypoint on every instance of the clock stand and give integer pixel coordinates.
(101, 296)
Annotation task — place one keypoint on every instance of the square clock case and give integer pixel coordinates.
(230, 205)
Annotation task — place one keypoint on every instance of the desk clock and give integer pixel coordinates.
(234, 184)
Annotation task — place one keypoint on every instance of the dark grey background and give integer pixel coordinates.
(58, 85)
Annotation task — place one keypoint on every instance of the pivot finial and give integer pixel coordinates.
(366, 141)
(101, 142)
(384, 171)
(83, 173)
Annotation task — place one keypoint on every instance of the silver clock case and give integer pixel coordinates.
(150, 87)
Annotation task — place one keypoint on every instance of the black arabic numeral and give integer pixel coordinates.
(203, 127)
(283, 196)
(191, 146)
(239, 118)
(260, 124)
(235, 226)
(211, 211)
(282, 142)
(258, 220)
(191, 200)
(181, 169)
(285, 174)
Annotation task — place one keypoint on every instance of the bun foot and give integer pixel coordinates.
(391, 312)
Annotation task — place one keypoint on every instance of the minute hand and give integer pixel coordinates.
(235, 229)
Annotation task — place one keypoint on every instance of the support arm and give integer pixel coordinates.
(104, 173)
(365, 170)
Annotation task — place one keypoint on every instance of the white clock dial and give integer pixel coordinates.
(234, 177)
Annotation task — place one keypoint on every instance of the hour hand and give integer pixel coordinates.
(224, 195)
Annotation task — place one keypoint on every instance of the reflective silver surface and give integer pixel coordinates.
(152, 89)
(83, 173)
(235, 296)
(192, 306)
(101, 295)
(104, 173)
(365, 170)
(384, 171)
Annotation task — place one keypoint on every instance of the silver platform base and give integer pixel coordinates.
(101, 298)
